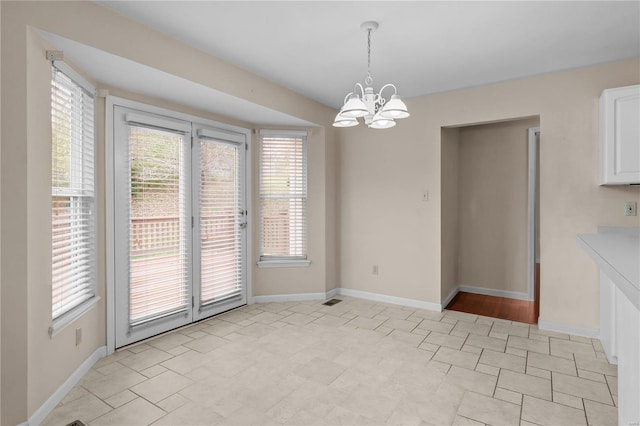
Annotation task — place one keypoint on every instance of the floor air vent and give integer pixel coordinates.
(76, 423)
(332, 302)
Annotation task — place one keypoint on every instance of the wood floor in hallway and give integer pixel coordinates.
(495, 307)
(500, 307)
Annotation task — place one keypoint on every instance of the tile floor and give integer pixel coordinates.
(357, 362)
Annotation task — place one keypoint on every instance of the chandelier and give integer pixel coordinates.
(378, 112)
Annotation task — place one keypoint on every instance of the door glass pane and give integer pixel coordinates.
(221, 218)
(158, 262)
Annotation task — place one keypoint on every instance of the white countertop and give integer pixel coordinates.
(617, 252)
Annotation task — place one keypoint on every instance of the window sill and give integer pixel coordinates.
(61, 323)
(283, 263)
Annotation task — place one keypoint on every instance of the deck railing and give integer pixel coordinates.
(161, 234)
(154, 235)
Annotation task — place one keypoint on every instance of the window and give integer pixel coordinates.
(73, 266)
(283, 198)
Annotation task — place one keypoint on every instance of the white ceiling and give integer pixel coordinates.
(317, 48)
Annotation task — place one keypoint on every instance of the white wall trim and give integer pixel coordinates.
(283, 263)
(69, 317)
(532, 156)
(110, 292)
(294, 297)
(413, 303)
(593, 333)
(332, 293)
(494, 292)
(450, 297)
(51, 403)
(376, 297)
(248, 187)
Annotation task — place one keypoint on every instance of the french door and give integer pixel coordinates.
(180, 222)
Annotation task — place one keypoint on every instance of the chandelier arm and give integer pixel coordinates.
(395, 90)
(355, 87)
(347, 97)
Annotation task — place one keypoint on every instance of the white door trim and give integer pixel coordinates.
(110, 103)
(531, 208)
(239, 142)
(123, 118)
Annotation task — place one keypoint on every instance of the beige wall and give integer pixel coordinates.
(450, 213)
(33, 364)
(383, 219)
(383, 174)
(14, 223)
(493, 199)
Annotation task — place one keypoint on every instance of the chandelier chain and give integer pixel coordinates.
(369, 51)
(369, 79)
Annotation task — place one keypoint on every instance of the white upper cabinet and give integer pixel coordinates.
(620, 136)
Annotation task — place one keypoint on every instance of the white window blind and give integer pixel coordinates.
(283, 195)
(73, 272)
(158, 224)
(221, 216)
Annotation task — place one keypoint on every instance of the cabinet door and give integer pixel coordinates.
(620, 136)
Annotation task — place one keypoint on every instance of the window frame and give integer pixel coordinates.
(69, 315)
(283, 261)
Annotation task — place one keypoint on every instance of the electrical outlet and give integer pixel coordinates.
(375, 270)
(630, 209)
(78, 336)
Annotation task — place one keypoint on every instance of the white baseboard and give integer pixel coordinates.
(347, 292)
(332, 293)
(449, 298)
(51, 403)
(569, 329)
(294, 297)
(390, 299)
(494, 292)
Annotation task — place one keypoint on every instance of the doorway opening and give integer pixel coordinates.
(490, 219)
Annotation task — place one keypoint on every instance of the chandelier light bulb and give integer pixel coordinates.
(341, 121)
(380, 122)
(354, 107)
(395, 108)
